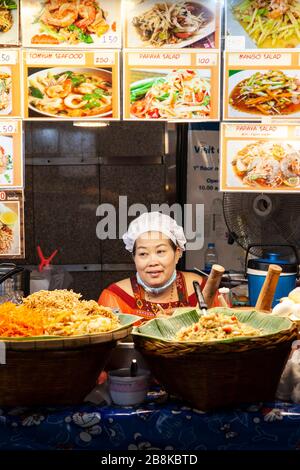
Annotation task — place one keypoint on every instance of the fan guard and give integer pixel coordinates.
(272, 219)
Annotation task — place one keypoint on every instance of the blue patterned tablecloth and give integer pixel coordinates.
(153, 425)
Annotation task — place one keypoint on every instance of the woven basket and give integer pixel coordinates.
(56, 370)
(219, 373)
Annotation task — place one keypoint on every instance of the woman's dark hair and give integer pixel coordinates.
(172, 244)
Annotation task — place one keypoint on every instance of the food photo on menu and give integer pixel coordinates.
(9, 229)
(5, 90)
(170, 94)
(264, 165)
(9, 24)
(150, 23)
(6, 160)
(83, 23)
(70, 92)
(263, 93)
(264, 23)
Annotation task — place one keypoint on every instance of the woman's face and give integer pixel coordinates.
(155, 259)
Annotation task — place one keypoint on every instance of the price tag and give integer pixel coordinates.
(8, 57)
(8, 127)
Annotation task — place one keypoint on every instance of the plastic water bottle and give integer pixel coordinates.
(210, 258)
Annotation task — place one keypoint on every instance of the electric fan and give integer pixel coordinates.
(263, 219)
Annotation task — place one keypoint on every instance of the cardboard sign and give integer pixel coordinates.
(261, 84)
(10, 83)
(12, 242)
(260, 157)
(194, 24)
(178, 85)
(73, 24)
(11, 155)
(73, 85)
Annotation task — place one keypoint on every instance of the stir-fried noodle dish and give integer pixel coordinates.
(171, 22)
(55, 313)
(270, 23)
(269, 93)
(71, 93)
(72, 21)
(6, 17)
(214, 327)
(181, 94)
(5, 90)
(268, 164)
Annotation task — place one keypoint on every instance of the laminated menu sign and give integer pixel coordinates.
(262, 24)
(73, 85)
(178, 85)
(12, 243)
(172, 24)
(11, 161)
(71, 23)
(260, 84)
(10, 78)
(260, 157)
(9, 22)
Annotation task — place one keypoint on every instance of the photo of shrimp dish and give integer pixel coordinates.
(5, 91)
(270, 23)
(182, 94)
(268, 164)
(71, 21)
(76, 93)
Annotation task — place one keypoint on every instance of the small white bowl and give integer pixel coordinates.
(126, 390)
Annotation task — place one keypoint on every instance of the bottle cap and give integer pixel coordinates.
(211, 245)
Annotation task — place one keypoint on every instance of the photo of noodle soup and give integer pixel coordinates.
(70, 92)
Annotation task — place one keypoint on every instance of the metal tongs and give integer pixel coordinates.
(200, 298)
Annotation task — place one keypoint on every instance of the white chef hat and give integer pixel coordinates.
(154, 222)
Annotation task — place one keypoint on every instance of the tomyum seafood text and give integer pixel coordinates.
(71, 93)
(268, 165)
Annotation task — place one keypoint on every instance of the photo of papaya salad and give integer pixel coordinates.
(180, 94)
(270, 93)
(170, 23)
(71, 93)
(74, 22)
(268, 165)
(269, 23)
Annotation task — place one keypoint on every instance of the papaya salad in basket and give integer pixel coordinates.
(182, 94)
(55, 313)
(214, 327)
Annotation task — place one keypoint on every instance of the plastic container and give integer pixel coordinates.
(210, 257)
(126, 390)
(257, 271)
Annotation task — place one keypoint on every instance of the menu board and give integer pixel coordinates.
(12, 243)
(11, 161)
(259, 84)
(262, 25)
(10, 91)
(260, 157)
(74, 85)
(9, 22)
(71, 23)
(172, 24)
(171, 85)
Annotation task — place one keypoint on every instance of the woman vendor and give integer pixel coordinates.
(156, 242)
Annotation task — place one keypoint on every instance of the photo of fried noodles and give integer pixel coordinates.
(271, 93)
(270, 23)
(182, 94)
(214, 327)
(55, 313)
(266, 164)
(171, 22)
(76, 93)
(70, 21)
(6, 17)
